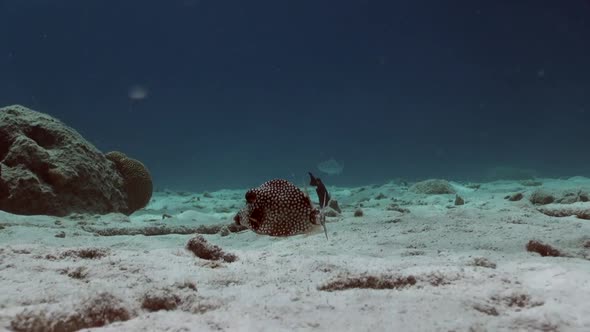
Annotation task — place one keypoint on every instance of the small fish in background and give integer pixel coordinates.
(279, 208)
(330, 167)
(323, 197)
(321, 191)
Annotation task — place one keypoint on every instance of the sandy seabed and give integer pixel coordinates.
(410, 262)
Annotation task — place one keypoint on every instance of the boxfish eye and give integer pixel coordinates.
(237, 219)
(250, 197)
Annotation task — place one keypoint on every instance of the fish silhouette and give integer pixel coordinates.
(330, 167)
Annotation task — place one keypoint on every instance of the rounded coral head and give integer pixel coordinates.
(137, 181)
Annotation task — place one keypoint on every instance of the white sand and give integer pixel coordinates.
(273, 286)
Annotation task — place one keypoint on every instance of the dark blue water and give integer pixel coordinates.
(242, 91)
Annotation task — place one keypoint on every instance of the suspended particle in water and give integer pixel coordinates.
(137, 92)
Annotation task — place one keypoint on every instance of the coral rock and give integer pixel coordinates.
(541, 197)
(48, 168)
(433, 187)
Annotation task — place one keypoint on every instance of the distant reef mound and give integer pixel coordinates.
(48, 168)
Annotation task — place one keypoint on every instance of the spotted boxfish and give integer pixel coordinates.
(279, 208)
